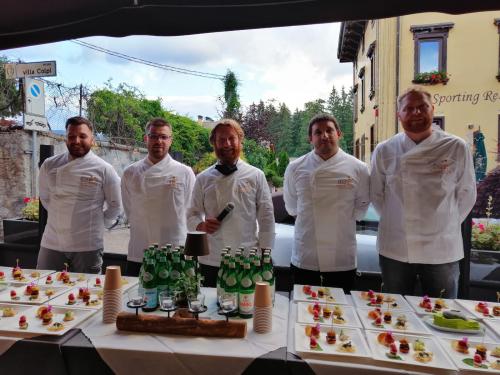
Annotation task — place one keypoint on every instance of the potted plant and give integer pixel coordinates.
(185, 286)
(431, 78)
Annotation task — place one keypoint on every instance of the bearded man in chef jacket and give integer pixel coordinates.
(423, 186)
(326, 190)
(230, 180)
(156, 192)
(81, 193)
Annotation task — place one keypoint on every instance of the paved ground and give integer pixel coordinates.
(116, 240)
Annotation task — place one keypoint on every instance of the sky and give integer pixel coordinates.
(293, 65)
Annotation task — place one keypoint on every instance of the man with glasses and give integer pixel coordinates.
(156, 192)
(81, 193)
(423, 186)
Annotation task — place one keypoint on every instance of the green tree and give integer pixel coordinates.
(231, 102)
(11, 102)
(341, 106)
(122, 112)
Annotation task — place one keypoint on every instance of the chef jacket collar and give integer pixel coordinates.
(334, 158)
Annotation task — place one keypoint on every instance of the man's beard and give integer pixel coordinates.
(78, 152)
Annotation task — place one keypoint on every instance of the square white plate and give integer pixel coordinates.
(42, 297)
(471, 307)
(458, 357)
(35, 325)
(74, 279)
(95, 295)
(337, 295)
(304, 315)
(439, 360)
(18, 311)
(398, 302)
(355, 336)
(414, 302)
(29, 275)
(413, 324)
(494, 325)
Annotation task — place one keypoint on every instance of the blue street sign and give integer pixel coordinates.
(35, 90)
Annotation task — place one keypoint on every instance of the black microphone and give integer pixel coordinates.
(229, 207)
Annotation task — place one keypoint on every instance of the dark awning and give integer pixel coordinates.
(28, 22)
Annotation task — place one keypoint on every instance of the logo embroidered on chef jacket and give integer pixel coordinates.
(441, 167)
(344, 183)
(172, 181)
(245, 187)
(89, 181)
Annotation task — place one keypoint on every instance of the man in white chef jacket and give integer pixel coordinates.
(156, 192)
(326, 190)
(81, 193)
(251, 222)
(423, 187)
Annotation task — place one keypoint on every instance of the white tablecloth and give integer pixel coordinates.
(137, 353)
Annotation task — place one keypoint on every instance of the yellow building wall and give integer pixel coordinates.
(366, 118)
(471, 98)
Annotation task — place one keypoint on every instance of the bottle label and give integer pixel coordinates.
(257, 277)
(246, 282)
(151, 297)
(246, 303)
(267, 275)
(231, 281)
(174, 275)
(147, 277)
(163, 274)
(190, 272)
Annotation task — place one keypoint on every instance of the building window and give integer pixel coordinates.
(361, 76)
(438, 121)
(430, 48)
(373, 140)
(371, 56)
(355, 104)
(497, 23)
(356, 149)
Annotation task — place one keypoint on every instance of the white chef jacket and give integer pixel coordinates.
(327, 196)
(422, 192)
(74, 193)
(155, 199)
(247, 188)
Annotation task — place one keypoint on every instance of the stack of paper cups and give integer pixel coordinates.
(263, 313)
(112, 299)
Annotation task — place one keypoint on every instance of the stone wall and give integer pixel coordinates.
(16, 167)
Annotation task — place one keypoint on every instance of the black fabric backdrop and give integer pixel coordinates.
(29, 22)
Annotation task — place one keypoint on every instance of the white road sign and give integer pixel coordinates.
(35, 123)
(34, 95)
(34, 69)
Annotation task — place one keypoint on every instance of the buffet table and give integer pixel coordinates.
(94, 347)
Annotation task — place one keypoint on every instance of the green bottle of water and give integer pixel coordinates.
(162, 274)
(268, 273)
(246, 292)
(150, 286)
(231, 282)
(176, 270)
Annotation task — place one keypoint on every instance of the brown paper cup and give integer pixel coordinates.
(262, 294)
(113, 278)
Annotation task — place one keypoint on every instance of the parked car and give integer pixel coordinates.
(484, 265)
